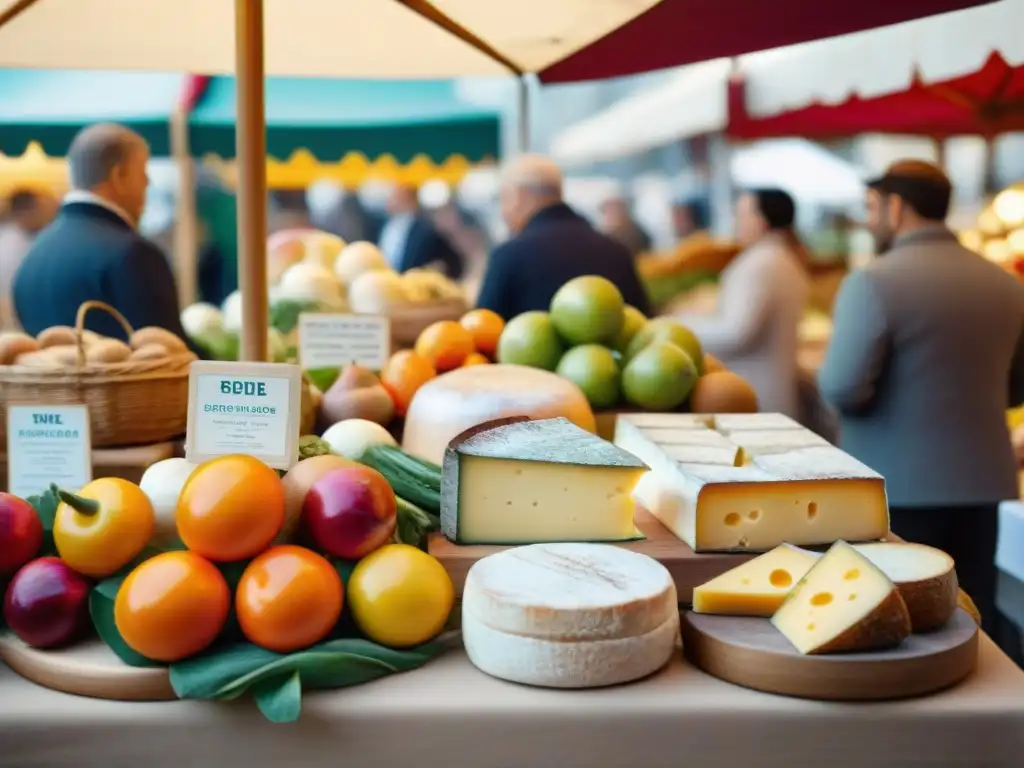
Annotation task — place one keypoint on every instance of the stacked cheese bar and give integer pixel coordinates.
(750, 482)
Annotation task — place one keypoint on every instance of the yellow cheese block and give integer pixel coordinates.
(516, 481)
(805, 496)
(757, 587)
(843, 603)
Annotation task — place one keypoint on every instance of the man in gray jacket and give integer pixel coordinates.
(927, 354)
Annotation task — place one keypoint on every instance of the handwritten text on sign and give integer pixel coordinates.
(333, 341)
(47, 444)
(249, 408)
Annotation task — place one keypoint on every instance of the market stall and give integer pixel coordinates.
(407, 131)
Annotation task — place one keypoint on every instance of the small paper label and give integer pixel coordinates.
(247, 408)
(47, 444)
(333, 341)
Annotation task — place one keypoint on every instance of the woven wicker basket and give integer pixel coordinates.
(136, 402)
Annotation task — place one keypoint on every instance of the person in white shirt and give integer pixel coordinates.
(761, 300)
(28, 213)
(409, 239)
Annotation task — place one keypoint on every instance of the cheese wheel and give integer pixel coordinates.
(466, 397)
(925, 577)
(569, 615)
(550, 664)
(570, 592)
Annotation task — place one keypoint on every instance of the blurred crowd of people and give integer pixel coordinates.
(925, 357)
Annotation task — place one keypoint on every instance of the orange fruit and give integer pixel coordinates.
(231, 508)
(485, 327)
(288, 598)
(445, 344)
(403, 374)
(172, 606)
(475, 358)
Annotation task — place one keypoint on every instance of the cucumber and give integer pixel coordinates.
(413, 480)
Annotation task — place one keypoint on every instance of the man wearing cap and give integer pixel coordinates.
(926, 355)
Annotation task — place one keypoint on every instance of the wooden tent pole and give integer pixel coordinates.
(186, 239)
(251, 151)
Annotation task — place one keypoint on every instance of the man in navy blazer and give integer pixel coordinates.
(550, 245)
(409, 239)
(93, 250)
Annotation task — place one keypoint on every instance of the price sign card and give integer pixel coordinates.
(249, 408)
(333, 341)
(47, 444)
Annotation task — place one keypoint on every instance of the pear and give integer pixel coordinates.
(357, 394)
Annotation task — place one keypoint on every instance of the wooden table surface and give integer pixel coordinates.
(455, 716)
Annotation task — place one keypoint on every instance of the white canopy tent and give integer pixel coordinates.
(867, 64)
(810, 173)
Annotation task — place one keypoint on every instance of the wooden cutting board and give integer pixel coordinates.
(688, 569)
(89, 669)
(752, 653)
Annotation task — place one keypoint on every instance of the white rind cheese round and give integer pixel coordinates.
(460, 399)
(569, 615)
(551, 664)
(570, 592)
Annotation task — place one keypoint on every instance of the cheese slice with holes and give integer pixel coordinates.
(762, 442)
(519, 481)
(569, 615)
(757, 587)
(669, 420)
(727, 423)
(844, 603)
(805, 496)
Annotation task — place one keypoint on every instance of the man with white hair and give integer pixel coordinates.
(93, 250)
(550, 244)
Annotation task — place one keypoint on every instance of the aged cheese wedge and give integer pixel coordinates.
(925, 577)
(843, 603)
(466, 397)
(518, 481)
(807, 496)
(757, 587)
(569, 615)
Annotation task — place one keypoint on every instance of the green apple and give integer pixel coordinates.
(530, 339)
(632, 321)
(659, 377)
(593, 369)
(587, 310)
(667, 329)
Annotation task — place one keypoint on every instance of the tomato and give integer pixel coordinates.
(103, 527)
(172, 606)
(485, 327)
(400, 596)
(288, 598)
(231, 508)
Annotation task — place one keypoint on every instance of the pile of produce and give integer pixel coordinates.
(998, 234)
(57, 347)
(618, 357)
(355, 392)
(313, 271)
(237, 578)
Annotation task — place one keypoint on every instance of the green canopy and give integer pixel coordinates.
(332, 118)
(51, 106)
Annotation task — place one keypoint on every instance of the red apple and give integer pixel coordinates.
(349, 512)
(21, 533)
(47, 603)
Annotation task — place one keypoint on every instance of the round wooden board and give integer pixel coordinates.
(752, 653)
(89, 669)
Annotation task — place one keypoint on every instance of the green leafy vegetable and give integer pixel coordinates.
(230, 672)
(284, 314)
(323, 378)
(101, 609)
(311, 445)
(45, 504)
